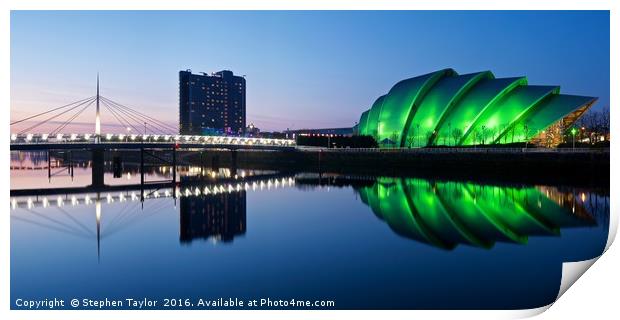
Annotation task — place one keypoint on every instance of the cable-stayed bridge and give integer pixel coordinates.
(141, 129)
(143, 132)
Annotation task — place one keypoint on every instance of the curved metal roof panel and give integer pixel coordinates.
(550, 110)
(499, 117)
(373, 117)
(363, 124)
(443, 107)
(402, 102)
(473, 102)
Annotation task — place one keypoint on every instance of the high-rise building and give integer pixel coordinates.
(211, 104)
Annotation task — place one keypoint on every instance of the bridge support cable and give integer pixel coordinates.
(55, 116)
(48, 226)
(152, 209)
(115, 116)
(154, 129)
(133, 116)
(152, 120)
(129, 116)
(119, 117)
(138, 118)
(76, 221)
(52, 110)
(58, 223)
(66, 123)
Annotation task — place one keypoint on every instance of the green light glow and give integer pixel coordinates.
(446, 214)
(372, 124)
(393, 117)
(446, 108)
(499, 117)
(363, 124)
(424, 122)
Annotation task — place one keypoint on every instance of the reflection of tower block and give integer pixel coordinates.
(219, 217)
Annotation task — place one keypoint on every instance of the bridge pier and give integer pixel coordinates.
(98, 167)
(174, 167)
(141, 165)
(215, 163)
(117, 166)
(71, 164)
(49, 167)
(233, 163)
(142, 176)
(202, 165)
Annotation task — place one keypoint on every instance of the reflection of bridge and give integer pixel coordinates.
(441, 213)
(31, 198)
(157, 135)
(193, 193)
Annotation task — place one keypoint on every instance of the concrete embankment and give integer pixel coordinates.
(589, 167)
(586, 167)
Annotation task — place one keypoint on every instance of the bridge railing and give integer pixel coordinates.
(32, 138)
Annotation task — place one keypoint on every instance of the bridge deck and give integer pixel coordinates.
(138, 145)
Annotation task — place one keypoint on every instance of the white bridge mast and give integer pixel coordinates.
(98, 116)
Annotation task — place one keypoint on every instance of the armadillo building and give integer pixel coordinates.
(445, 108)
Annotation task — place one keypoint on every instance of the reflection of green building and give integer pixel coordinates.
(444, 108)
(445, 214)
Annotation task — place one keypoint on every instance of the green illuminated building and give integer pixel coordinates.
(445, 108)
(445, 214)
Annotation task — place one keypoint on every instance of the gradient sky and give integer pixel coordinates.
(312, 69)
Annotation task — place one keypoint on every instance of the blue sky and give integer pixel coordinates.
(306, 69)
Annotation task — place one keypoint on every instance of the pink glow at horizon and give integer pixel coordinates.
(84, 123)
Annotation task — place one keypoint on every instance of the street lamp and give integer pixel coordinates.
(573, 132)
(418, 135)
(128, 131)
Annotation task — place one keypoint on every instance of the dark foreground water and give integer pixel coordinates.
(360, 242)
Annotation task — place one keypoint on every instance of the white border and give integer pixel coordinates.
(595, 297)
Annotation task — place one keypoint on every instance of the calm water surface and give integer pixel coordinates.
(362, 242)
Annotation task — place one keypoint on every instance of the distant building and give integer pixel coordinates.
(341, 132)
(274, 135)
(252, 131)
(211, 104)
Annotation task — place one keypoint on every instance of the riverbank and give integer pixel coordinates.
(582, 167)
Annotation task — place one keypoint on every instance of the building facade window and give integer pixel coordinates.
(223, 96)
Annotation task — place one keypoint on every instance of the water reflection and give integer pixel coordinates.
(306, 235)
(443, 214)
(219, 217)
(208, 210)
(446, 214)
(56, 169)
